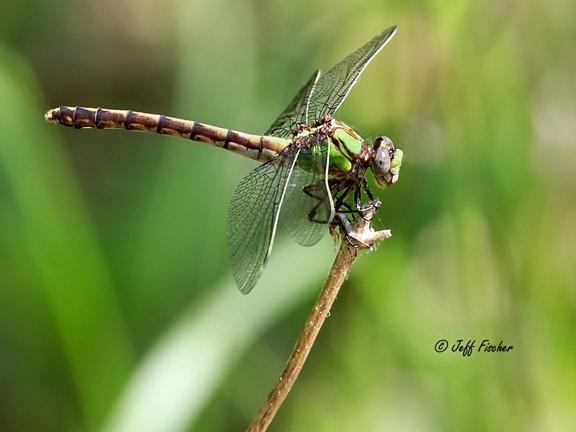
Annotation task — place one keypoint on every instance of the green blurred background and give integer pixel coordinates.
(117, 308)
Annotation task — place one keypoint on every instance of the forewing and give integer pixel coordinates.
(334, 86)
(306, 213)
(253, 217)
(296, 112)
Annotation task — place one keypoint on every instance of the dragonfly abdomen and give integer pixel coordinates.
(258, 147)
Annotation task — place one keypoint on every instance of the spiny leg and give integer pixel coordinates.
(373, 203)
(346, 227)
(367, 190)
(339, 202)
(320, 185)
(342, 192)
(310, 191)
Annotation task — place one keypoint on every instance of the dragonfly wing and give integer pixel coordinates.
(308, 205)
(296, 112)
(253, 216)
(334, 86)
(299, 205)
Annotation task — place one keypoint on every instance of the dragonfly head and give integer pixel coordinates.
(387, 161)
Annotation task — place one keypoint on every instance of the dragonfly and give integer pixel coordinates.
(313, 166)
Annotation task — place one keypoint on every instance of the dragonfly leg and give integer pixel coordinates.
(367, 189)
(346, 226)
(360, 208)
(357, 197)
(312, 214)
(311, 191)
(318, 186)
(341, 200)
(349, 209)
(341, 207)
(338, 204)
(308, 190)
(365, 208)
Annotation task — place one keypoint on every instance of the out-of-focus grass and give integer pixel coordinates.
(48, 224)
(174, 382)
(111, 231)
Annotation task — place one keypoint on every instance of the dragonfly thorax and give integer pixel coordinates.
(348, 153)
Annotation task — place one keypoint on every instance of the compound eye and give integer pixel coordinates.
(381, 164)
(383, 141)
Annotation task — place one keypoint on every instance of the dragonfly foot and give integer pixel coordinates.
(366, 211)
(360, 233)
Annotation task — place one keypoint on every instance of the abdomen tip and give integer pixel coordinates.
(52, 115)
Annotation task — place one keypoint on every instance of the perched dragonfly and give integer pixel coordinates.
(313, 166)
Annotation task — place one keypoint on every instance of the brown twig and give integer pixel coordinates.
(364, 237)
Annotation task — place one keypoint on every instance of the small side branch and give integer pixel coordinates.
(363, 236)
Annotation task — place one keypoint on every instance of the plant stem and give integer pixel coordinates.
(347, 254)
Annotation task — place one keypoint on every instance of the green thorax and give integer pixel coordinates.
(345, 146)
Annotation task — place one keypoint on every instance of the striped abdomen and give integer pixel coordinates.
(258, 147)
